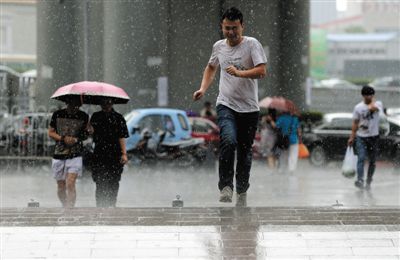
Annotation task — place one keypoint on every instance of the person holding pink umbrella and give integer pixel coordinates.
(109, 130)
(68, 128)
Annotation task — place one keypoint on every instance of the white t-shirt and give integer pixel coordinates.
(239, 94)
(368, 121)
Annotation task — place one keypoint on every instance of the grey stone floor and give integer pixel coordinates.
(201, 233)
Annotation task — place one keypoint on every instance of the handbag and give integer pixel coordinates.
(303, 151)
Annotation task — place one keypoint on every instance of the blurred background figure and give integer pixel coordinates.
(208, 112)
(288, 124)
(268, 137)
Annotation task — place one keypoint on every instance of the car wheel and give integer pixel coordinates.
(318, 156)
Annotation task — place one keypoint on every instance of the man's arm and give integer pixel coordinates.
(258, 72)
(354, 128)
(53, 135)
(124, 158)
(208, 77)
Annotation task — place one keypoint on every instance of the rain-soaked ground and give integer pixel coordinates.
(157, 187)
(289, 216)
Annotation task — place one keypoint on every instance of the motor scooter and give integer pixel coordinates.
(151, 150)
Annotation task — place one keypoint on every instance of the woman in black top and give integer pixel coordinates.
(109, 133)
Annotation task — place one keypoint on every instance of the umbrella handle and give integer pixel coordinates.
(81, 96)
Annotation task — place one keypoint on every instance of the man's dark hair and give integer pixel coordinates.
(367, 90)
(232, 14)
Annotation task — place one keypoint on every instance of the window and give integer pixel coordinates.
(152, 123)
(6, 34)
(183, 122)
(169, 124)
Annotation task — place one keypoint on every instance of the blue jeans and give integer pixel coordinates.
(366, 146)
(237, 131)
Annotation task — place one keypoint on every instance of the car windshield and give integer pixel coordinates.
(130, 115)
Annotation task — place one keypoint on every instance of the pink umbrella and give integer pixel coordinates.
(279, 103)
(91, 92)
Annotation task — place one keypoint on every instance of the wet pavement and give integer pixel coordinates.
(155, 187)
(312, 214)
(201, 233)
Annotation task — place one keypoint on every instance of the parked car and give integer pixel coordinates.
(153, 120)
(393, 111)
(206, 129)
(162, 135)
(386, 82)
(336, 83)
(328, 141)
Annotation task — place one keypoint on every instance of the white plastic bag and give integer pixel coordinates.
(350, 163)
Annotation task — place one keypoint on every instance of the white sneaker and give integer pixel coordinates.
(226, 194)
(241, 199)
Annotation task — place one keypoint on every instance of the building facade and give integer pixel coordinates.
(358, 56)
(153, 47)
(18, 34)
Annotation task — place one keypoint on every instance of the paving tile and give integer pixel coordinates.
(338, 251)
(284, 243)
(179, 244)
(376, 251)
(176, 257)
(287, 258)
(200, 252)
(137, 252)
(354, 258)
(38, 245)
(199, 236)
(349, 243)
(374, 235)
(28, 253)
(136, 236)
(323, 235)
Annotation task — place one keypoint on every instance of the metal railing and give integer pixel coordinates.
(25, 136)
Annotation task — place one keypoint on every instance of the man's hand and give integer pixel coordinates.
(198, 94)
(70, 140)
(232, 70)
(372, 106)
(90, 129)
(124, 158)
(350, 141)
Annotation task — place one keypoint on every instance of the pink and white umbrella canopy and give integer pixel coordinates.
(279, 103)
(91, 92)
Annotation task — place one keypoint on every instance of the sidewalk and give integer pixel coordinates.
(201, 233)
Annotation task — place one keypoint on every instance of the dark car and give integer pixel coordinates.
(328, 141)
